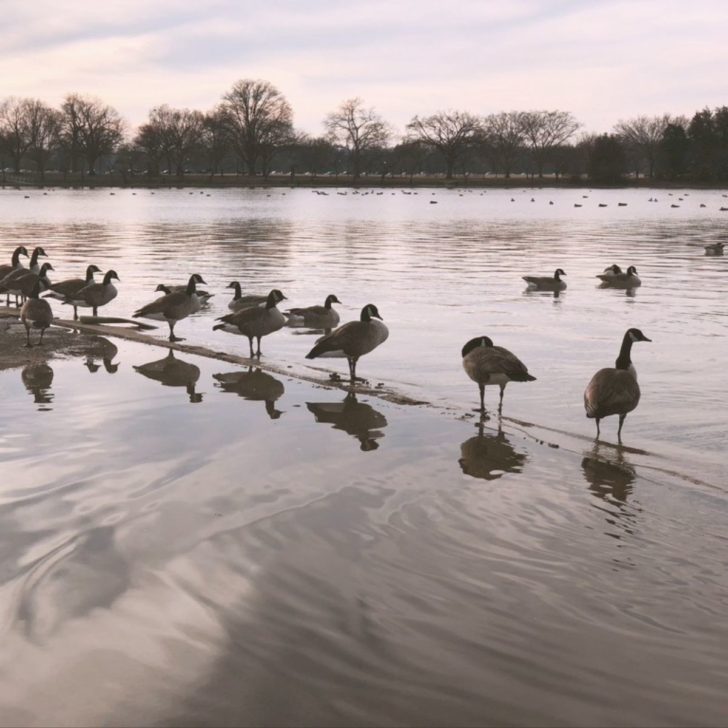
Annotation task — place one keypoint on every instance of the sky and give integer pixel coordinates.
(603, 60)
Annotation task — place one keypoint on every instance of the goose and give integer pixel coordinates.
(621, 280)
(546, 283)
(609, 271)
(15, 265)
(254, 385)
(487, 364)
(66, 290)
(256, 322)
(23, 284)
(353, 339)
(33, 267)
(203, 297)
(319, 317)
(714, 249)
(239, 301)
(36, 313)
(614, 391)
(173, 307)
(95, 295)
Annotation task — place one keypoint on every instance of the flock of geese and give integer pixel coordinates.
(611, 391)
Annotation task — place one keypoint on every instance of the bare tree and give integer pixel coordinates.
(259, 120)
(16, 129)
(151, 140)
(90, 128)
(505, 136)
(358, 129)
(645, 133)
(215, 139)
(450, 132)
(45, 128)
(544, 130)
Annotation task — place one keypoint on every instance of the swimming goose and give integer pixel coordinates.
(95, 295)
(621, 280)
(255, 322)
(614, 391)
(239, 301)
(609, 271)
(488, 365)
(173, 307)
(36, 313)
(546, 283)
(318, 317)
(353, 339)
(66, 290)
(714, 249)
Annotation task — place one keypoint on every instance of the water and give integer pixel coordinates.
(232, 548)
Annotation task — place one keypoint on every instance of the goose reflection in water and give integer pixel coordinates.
(173, 372)
(254, 385)
(38, 379)
(107, 351)
(358, 419)
(608, 478)
(490, 456)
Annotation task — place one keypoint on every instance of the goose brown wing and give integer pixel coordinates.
(244, 316)
(611, 392)
(504, 361)
(168, 304)
(69, 287)
(342, 339)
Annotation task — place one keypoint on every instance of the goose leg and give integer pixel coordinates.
(96, 311)
(597, 421)
(619, 431)
(500, 402)
(40, 341)
(257, 353)
(481, 387)
(75, 313)
(172, 337)
(27, 338)
(250, 343)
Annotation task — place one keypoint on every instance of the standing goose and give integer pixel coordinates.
(714, 249)
(24, 283)
(66, 290)
(36, 313)
(14, 265)
(615, 391)
(546, 283)
(318, 317)
(203, 297)
(9, 282)
(353, 339)
(95, 295)
(487, 365)
(256, 322)
(621, 280)
(240, 301)
(173, 307)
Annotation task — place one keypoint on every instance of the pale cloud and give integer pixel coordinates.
(601, 59)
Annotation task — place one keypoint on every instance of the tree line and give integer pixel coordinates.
(251, 132)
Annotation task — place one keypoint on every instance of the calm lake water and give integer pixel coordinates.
(238, 548)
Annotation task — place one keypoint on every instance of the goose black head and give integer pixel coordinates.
(274, 298)
(331, 298)
(233, 284)
(615, 269)
(44, 269)
(20, 250)
(475, 343)
(40, 253)
(369, 312)
(91, 269)
(636, 335)
(559, 272)
(111, 275)
(161, 288)
(197, 278)
(631, 271)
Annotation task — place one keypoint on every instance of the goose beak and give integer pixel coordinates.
(646, 339)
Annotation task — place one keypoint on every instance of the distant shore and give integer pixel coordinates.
(77, 181)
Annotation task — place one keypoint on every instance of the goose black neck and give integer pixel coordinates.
(34, 258)
(16, 256)
(89, 274)
(191, 286)
(624, 360)
(238, 292)
(327, 303)
(107, 278)
(365, 316)
(557, 275)
(271, 301)
(35, 293)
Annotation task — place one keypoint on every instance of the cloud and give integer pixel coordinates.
(603, 60)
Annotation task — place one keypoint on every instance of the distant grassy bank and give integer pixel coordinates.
(78, 181)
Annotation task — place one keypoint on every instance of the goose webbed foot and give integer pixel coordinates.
(172, 337)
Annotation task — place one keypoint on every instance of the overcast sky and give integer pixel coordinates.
(601, 59)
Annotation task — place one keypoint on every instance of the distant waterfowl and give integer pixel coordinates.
(487, 365)
(602, 204)
(621, 280)
(353, 340)
(95, 295)
(714, 249)
(239, 301)
(255, 322)
(66, 290)
(173, 307)
(547, 283)
(36, 313)
(319, 317)
(615, 391)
